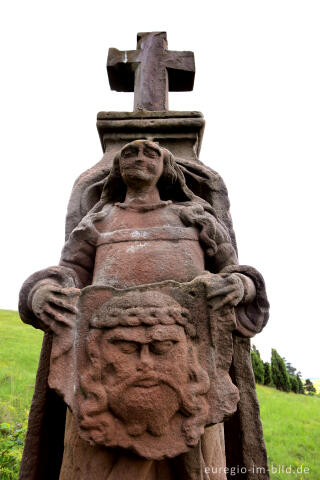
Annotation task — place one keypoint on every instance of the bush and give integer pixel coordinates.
(309, 387)
(11, 445)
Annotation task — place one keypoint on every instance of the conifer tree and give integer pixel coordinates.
(280, 375)
(294, 384)
(295, 378)
(267, 374)
(290, 368)
(301, 387)
(257, 365)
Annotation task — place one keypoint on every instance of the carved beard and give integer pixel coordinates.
(144, 408)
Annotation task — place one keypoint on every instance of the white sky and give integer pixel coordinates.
(257, 83)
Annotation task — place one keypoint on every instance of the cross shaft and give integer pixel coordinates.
(150, 71)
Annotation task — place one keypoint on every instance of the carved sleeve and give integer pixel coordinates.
(253, 312)
(225, 253)
(252, 316)
(75, 270)
(78, 253)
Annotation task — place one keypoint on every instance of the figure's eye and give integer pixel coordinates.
(160, 347)
(126, 346)
(128, 153)
(150, 153)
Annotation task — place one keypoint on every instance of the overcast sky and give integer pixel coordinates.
(258, 86)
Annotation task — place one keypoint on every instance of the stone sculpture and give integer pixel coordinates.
(146, 318)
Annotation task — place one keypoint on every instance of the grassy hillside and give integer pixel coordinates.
(19, 354)
(291, 425)
(291, 422)
(20, 346)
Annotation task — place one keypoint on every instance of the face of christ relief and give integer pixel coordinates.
(140, 378)
(143, 370)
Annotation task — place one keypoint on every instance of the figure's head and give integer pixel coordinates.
(142, 345)
(143, 162)
(142, 368)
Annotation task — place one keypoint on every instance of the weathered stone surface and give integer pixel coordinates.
(163, 233)
(149, 367)
(150, 71)
(179, 132)
(148, 314)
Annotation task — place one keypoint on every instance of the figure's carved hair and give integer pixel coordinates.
(171, 185)
(127, 310)
(93, 397)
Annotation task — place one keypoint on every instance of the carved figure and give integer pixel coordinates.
(147, 229)
(141, 363)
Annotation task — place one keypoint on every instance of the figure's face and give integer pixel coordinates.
(144, 354)
(143, 370)
(141, 163)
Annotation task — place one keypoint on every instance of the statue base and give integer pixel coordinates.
(179, 132)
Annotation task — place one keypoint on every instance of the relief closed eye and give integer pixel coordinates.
(156, 346)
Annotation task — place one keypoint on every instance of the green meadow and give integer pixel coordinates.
(291, 425)
(291, 422)
(19, 354)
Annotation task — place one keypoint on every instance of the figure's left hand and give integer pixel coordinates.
(224, 290)
(55, 305)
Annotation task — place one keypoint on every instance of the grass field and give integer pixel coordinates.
(291, 422)
(20, 349)
(19, 354)
(291, 425)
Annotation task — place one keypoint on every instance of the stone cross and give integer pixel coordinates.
(150, 71)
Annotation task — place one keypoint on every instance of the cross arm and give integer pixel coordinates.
(121, 67)
(181, 70)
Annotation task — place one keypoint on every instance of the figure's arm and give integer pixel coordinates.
(78, 253)
(231, 288)
(252, 314)
(239, 286)
(49, 294)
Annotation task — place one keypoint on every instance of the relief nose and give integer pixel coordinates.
(145, 359)
(140, 154)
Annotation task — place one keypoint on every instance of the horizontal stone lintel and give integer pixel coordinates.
(141, 124)
(148, 114)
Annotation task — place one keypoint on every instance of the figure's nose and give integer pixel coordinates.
(140, 155)
(146, 361)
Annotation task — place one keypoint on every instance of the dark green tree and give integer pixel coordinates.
(295, 378)
(301, 387)
(267, 374)
(280, 375)
(294, 383)
(309, 387)
(291, 369)
(257, 365)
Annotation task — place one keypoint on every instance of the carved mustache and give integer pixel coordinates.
(148, 378)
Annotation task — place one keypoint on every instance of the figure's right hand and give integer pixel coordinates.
(53, 304)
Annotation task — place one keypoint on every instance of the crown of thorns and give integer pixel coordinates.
(111, 317)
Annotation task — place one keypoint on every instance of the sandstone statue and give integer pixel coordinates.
(145, 369)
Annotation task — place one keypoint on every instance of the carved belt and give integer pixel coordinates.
(146, 234)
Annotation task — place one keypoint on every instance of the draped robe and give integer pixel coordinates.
(43, 452)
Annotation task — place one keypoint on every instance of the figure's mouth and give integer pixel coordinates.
(135, 169)
(146, 382)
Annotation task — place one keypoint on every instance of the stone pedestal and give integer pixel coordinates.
(179, 132)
